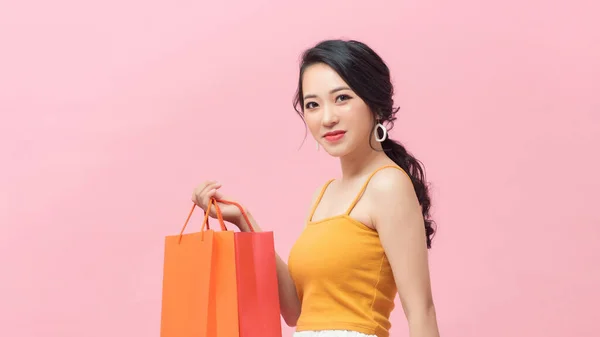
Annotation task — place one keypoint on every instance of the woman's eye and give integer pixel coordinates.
(310, 105)
(342, 98)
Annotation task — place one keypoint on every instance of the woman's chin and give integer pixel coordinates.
(336, 151)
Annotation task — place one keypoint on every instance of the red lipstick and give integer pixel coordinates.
(334, 136)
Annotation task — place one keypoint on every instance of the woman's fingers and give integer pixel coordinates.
(209, 192)
(204, 192)
(218, 194)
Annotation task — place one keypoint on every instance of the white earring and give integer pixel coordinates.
(317, 145)
(383, 129)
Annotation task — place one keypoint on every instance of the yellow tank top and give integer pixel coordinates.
(342, 275)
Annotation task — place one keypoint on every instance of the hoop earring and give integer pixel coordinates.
(383, 129)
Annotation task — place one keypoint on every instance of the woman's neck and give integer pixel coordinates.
(361, 162)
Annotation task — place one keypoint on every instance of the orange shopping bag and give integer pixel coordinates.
(257, 286)
(199, 296)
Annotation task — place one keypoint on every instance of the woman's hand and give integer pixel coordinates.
(209, 189)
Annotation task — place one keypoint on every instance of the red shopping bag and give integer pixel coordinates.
(199, 296)
(257, 285)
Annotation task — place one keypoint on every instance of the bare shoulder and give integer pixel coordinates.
(392, 196)
(314, 197)
(313, 200)
(391, 183)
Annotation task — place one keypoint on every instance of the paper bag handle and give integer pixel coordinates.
(205, 221)
(239, 207)
(205, 224)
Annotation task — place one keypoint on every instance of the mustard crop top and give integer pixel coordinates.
(342, 275)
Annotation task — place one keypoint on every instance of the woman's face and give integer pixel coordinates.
(338, 119)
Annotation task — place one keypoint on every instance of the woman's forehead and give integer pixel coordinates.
(320, 79)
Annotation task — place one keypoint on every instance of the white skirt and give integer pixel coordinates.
(330, 333)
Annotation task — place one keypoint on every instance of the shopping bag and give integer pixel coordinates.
(257, 285)
(199, 296)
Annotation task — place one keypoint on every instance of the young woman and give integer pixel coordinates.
(368, 232)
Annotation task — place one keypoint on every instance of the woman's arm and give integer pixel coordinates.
(399, 221)
(288, 297)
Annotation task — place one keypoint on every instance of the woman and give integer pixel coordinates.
(368, 232)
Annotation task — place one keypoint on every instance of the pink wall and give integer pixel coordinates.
(112, 112)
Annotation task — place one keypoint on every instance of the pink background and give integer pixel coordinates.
(112, 111)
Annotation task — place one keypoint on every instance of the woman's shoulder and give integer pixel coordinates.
(392, 199)
(390, 182)
(315, 196)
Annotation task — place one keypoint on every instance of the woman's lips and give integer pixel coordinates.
(334, 136)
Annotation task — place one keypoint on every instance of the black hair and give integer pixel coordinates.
(369, 77)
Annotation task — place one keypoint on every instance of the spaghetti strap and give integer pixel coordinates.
(314, 207)
(366, 183)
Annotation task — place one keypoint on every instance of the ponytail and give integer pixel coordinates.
(414, 168)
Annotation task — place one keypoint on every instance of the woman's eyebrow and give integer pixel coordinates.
(307, 96)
